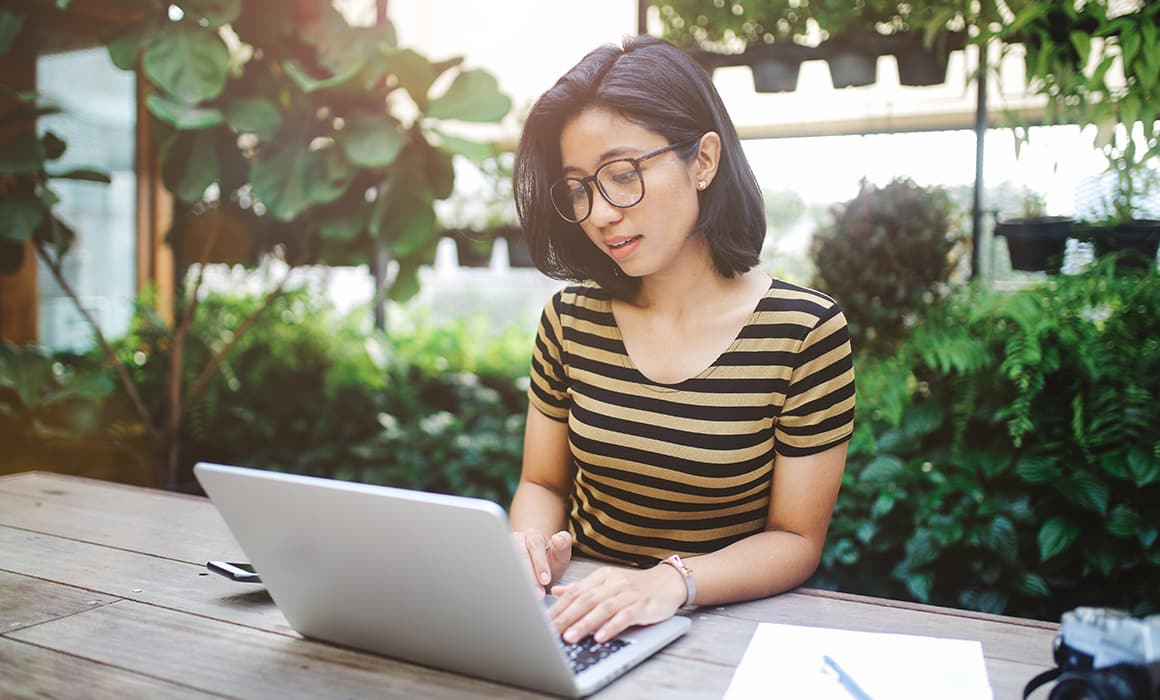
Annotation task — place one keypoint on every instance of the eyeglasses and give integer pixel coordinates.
(620, 183)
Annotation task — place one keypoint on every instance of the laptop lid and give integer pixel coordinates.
(423, 577)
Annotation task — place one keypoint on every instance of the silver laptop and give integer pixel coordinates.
(427, 578)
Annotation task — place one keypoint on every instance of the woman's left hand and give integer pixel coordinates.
(610, 600)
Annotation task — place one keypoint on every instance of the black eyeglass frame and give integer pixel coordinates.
(587, 181)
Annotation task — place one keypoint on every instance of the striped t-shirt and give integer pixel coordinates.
(686, 468)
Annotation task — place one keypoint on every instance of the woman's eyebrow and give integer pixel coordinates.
(610, 154)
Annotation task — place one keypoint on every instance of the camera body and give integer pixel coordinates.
(1106, 654)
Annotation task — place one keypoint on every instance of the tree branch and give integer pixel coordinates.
(110, 354)
(220, 356)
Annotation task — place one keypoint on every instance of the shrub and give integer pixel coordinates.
(888, 254)
(1007, 458)
(438, 407)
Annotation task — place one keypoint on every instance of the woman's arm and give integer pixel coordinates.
(804, 491)
(538, 513)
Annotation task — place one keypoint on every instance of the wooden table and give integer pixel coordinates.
(104, 593)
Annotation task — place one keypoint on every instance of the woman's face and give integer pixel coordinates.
(653, 235)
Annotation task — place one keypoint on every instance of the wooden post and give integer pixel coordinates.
(155, 264)
(19, 295)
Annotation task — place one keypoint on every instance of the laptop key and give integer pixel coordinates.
(587, 651)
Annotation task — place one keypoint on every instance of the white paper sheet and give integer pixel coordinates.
(787, 661)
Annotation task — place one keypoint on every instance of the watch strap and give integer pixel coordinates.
(686, 573)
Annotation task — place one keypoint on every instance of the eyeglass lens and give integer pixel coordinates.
(619, 181)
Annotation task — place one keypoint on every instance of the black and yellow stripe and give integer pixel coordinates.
(686, 467)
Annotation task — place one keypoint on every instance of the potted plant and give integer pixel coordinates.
(1035, 242)
(767, 36)
(1097, 66)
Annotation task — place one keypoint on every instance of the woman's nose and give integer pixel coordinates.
(602, 212)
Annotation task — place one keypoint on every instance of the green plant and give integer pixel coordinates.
(60, 412)
(1007, 458)
(1100, 68)
(329, 142)
(437, 406)
(730, 27)
(888, 254)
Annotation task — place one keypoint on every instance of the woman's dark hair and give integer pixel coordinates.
(660, 87)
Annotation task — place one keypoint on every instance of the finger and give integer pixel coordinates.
(535, 551)
(616, 624)
(594, 619)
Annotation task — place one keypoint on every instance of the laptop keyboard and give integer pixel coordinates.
(588, 651)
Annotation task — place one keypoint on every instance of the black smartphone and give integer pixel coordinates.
(235, 571)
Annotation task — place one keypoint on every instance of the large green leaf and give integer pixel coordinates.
(125, 46)
(404, 218)
(330, 175)
(1000, 538)
(440, 171)
(83, 175)
(883, 469)
(189, 163)
(1055, 536)
(414, 73)
(308, 83)
(211, 13)
(181, 115)
(53, 145)
(473, 96)
(406, 282)
(1037, 469)
(1123, 521)
(290, 178)
(254, 115)
(1145, 468)
(472, 150)
(344, 225)
(1085, 491)
(188, 62)
(371, 140)
(20, 215)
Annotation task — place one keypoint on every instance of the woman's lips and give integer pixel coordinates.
(623, 247)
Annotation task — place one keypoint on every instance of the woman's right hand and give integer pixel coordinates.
(546, 557)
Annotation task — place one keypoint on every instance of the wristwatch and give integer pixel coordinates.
(690, 585)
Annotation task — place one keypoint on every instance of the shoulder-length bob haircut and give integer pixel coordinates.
(660, 87)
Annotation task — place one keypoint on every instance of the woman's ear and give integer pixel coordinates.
(707, 160)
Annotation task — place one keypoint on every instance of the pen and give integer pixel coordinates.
(847, 680)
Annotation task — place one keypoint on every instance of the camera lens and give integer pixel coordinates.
(1119, 682)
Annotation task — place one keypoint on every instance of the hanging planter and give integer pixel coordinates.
(918, 64)
(775, 75)
(1135, 242)
(775, 66)
(518, 255)
(1036, 244)
(853, 60)
(473, 248)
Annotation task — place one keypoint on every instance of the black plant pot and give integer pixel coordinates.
(853, 68)
(518, 255)
(473, 248)
(776, 75)
(1135, 242)
(853, 59)
(1036, 244)
(919, 64)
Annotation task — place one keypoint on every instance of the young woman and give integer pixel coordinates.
(689, 415)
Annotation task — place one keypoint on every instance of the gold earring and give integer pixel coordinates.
(701, 184)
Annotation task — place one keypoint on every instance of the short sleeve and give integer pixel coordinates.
(819, 404)
(548, 391)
